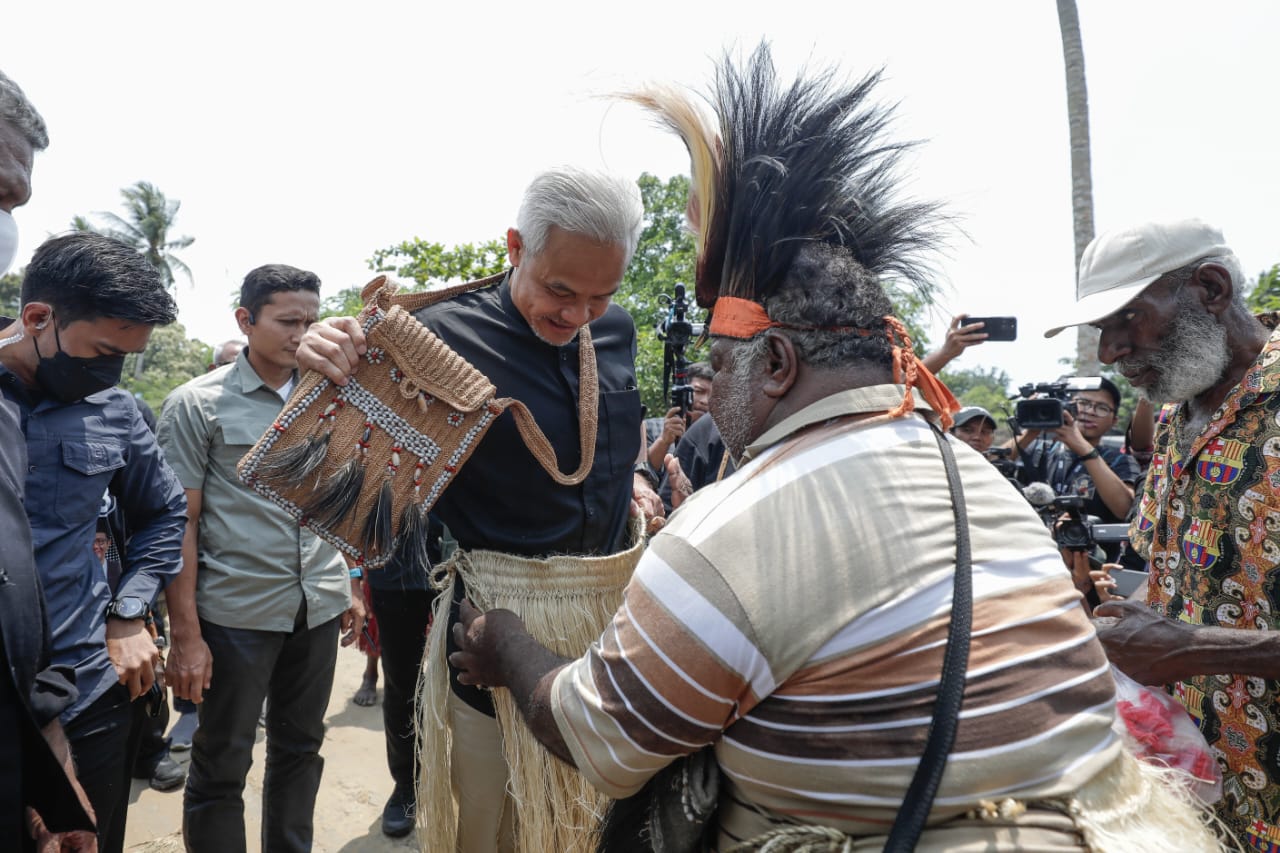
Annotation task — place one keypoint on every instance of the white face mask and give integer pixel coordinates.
(8, 241)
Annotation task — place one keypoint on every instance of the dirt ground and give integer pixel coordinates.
(355, 786)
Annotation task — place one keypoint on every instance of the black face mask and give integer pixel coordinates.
(68, 378)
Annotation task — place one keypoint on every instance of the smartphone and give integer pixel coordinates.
(1128, 581)
(997, 328)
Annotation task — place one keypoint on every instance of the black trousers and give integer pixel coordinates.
(402, 636)
(104, 741)
(293, 671)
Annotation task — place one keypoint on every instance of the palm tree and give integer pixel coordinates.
(145, 226)
(1081, 172)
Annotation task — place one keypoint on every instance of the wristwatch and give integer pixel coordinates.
(127, 607)
(649, 474)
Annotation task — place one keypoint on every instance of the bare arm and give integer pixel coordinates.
(495, 650)
(190, 666)
(1152, 649)
(959, 338)
(1142, 426)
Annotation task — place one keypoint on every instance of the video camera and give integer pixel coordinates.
(676, 333)
(1045, 411)
(1078, 531)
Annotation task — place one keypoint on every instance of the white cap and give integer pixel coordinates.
(1119, 264)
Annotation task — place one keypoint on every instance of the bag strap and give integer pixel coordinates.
(918, 800)
(588, 419)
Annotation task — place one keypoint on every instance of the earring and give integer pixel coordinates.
(42, 324)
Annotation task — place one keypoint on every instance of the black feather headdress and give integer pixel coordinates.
(781, 165)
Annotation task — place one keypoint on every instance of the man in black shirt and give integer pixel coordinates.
(575, 234)
(1073, 460)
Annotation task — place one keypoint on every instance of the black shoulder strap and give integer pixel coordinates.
(918, 800)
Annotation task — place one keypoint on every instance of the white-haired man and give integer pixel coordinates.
(1169, 299)
(575, 233)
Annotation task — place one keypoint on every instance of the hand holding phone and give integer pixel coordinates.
(996, 328)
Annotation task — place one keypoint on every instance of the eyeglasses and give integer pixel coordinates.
(1093, 408)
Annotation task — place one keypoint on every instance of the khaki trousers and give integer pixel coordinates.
(478, 771)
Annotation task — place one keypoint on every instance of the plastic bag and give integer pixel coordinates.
(1158, 730)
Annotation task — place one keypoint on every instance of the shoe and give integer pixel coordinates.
(182, 732)
(168, 775)
(398, 814)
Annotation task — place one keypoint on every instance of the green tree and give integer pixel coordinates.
(989, 388)
(11, 293)
(427, 265)
(172, 358)
(148, 218)
(1266, 292)
(665, 256)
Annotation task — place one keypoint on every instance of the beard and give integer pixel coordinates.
(733, 404)
(1192, 359)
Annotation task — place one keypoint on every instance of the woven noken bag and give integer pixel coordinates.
(361, 465)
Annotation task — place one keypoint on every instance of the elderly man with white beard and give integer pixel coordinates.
(1169, 300)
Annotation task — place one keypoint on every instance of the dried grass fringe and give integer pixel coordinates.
(1129, 807)
(565, 602)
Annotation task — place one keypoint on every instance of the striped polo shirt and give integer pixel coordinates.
(795, 614)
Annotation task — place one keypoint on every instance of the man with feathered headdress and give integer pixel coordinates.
(795, 616)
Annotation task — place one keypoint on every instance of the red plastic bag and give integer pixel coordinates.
(1158, 730)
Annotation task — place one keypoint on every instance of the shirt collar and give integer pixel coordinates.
(852, 401)
(249, 378)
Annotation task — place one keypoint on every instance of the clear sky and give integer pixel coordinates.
(313, 134)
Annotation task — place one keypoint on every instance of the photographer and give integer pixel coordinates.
(975, 427)
(1073, 460)
(665, 432)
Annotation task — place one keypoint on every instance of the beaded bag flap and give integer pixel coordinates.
(362, 464)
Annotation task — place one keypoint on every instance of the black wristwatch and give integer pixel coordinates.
(1092, 454)
(647, 470)
(127, 607)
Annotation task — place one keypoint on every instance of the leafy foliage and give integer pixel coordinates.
(1266, 293)
(172, 358)
(665, 256)
(427, 265)
(149, 216)
(988, 388)
(10, 293)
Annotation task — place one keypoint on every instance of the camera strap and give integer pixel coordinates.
(918, 801)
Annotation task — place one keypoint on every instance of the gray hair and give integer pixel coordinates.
(607, 208)
(16, 109)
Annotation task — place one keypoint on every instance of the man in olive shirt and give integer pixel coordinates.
(256, 611)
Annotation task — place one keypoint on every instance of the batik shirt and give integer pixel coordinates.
(1209, 523)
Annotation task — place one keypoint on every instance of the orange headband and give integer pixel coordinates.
(743, 319)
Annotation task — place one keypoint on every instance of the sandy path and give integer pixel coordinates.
(354, 788)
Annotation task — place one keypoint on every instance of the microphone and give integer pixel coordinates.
(1039, 495)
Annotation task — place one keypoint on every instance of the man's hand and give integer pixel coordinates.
(645, 499)
(479, 637)
(1104, 584)
(354, 617)
(1144, 645)
(77, 841)
(1069, 434)
(133, 653)
(681, 485)
(960, 336)
(332, 347)
(190, 667)
(672, 426)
